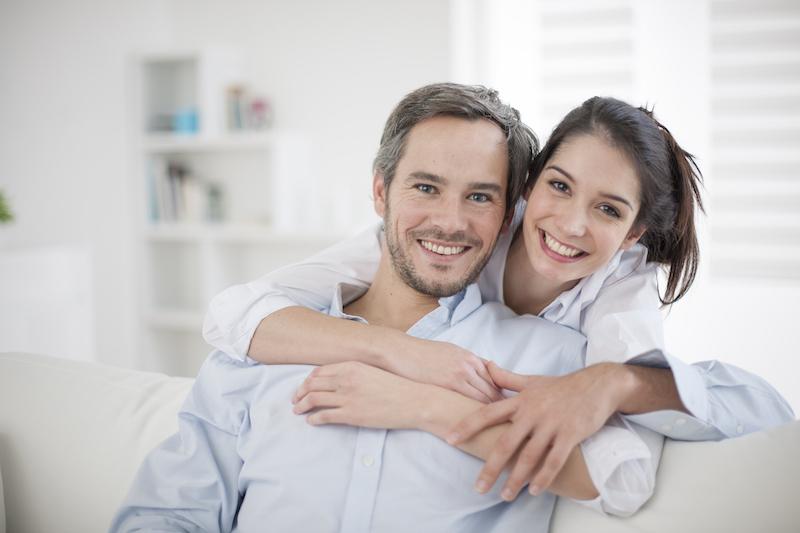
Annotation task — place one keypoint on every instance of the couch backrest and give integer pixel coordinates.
(73, 434)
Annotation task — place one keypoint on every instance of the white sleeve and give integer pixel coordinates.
(624, 320)
(234, 314)
(622, 459)
(624, 325)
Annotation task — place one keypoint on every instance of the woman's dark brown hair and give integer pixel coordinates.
(668, 176)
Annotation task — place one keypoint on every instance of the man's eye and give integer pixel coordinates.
(560, 186)
(424, 187)
(479, 197)
(610, 211)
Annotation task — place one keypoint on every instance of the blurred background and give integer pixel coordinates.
(155, 152)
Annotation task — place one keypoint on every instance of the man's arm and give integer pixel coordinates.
(189, 482)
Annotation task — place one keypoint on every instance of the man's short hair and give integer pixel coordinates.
(471, 102)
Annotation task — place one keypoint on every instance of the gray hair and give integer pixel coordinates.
(471, 102)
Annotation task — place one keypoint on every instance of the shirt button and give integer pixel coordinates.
(367, 460)
(666, 427)
(739, 429)
(680, 421)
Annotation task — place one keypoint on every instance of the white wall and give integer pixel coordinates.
(64, 144)
(332, 69)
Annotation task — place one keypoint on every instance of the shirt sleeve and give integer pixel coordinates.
(622, 459)
(723, 401)
(624, 325)
(234, 314)
(190, 481)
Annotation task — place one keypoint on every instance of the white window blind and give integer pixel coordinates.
(587, 50)
(755, 138)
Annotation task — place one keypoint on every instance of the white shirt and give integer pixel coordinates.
(242, 456)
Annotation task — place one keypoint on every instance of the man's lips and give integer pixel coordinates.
(443, 249)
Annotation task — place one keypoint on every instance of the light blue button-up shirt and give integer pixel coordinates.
(243, 461)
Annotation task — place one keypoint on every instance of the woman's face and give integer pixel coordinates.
(581, 210)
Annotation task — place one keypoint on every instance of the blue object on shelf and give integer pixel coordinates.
(185, 121)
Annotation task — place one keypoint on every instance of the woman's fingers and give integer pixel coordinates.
(314, 400)
(527, 462)
(502, 452)
(487, 416)
(488, 392)
(551, 465)
(505, 379)
(314, 383)
(471, 389)
(491, 390)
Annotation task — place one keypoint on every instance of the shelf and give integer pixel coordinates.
(166, 143)
(235, 233)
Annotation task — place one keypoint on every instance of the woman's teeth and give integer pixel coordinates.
(442, 250)
(559, 248)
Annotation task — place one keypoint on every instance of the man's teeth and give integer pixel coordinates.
(442, 250)
(559, 248)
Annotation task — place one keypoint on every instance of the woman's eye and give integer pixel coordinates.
(610, 211)
(560, 186)
(479, 197)
(424, 187)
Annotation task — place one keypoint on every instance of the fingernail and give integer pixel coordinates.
(507, 495)
(452, 438)
(535, 490)
(481, 486)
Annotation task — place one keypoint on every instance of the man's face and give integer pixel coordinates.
(446, 204)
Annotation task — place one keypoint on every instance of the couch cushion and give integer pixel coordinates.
(72, 436)
(743, 485)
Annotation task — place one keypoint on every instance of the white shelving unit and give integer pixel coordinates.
(217, 207)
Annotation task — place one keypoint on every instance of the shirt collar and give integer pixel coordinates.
(451, 310)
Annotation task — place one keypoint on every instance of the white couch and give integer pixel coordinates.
(73, 434)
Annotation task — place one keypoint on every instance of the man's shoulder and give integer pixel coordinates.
(495, 331)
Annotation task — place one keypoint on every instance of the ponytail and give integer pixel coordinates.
(675, 245)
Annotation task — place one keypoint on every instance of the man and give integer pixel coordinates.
(244, 460)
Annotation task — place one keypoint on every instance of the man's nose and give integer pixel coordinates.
(450, 215)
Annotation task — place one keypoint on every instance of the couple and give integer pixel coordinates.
(403, 413)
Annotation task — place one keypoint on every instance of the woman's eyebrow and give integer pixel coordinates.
(603, 194)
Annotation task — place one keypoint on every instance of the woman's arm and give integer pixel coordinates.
(234, 315)
(360, 395)
(276, 319)
(711, 400)
(283, 338)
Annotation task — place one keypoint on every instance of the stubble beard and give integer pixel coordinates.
(404, 266)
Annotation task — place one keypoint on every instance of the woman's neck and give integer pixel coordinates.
(525, 290)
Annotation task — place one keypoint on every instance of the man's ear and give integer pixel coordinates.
(633, 237)
(379, 194)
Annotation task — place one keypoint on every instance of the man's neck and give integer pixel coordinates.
(390, 302)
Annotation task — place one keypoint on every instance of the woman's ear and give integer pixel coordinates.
(633, 237)
(379, 194)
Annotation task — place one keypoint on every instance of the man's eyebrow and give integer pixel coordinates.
(475, 185)
(420, 175)
(603, 194)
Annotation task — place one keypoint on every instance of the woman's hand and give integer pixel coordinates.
(357, 394)
(549, 417)
(446, 365)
